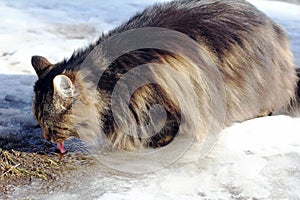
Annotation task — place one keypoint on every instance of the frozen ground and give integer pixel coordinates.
(257, 159)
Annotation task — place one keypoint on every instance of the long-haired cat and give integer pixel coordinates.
(250, 51)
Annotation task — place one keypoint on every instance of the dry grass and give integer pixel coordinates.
(20, 168)
(17, 167)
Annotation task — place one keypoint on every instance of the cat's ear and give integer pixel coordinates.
(40, 64)
(63, 86)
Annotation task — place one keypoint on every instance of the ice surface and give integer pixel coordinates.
(257, 159)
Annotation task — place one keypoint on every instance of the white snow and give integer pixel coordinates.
(257, 159)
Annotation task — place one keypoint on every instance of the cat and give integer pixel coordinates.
(249, 50)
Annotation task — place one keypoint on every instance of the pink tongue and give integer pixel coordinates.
(60, 147)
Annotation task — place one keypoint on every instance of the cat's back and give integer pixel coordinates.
(193, 17)
(233, 32)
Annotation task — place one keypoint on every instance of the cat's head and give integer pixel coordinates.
(53, 100)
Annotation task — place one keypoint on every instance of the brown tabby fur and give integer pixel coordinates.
(251, 52)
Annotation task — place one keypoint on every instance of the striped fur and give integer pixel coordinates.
(250, 51)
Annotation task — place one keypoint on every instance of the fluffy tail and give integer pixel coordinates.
(294, 107)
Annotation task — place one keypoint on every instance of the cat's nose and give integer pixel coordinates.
(46, 135)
